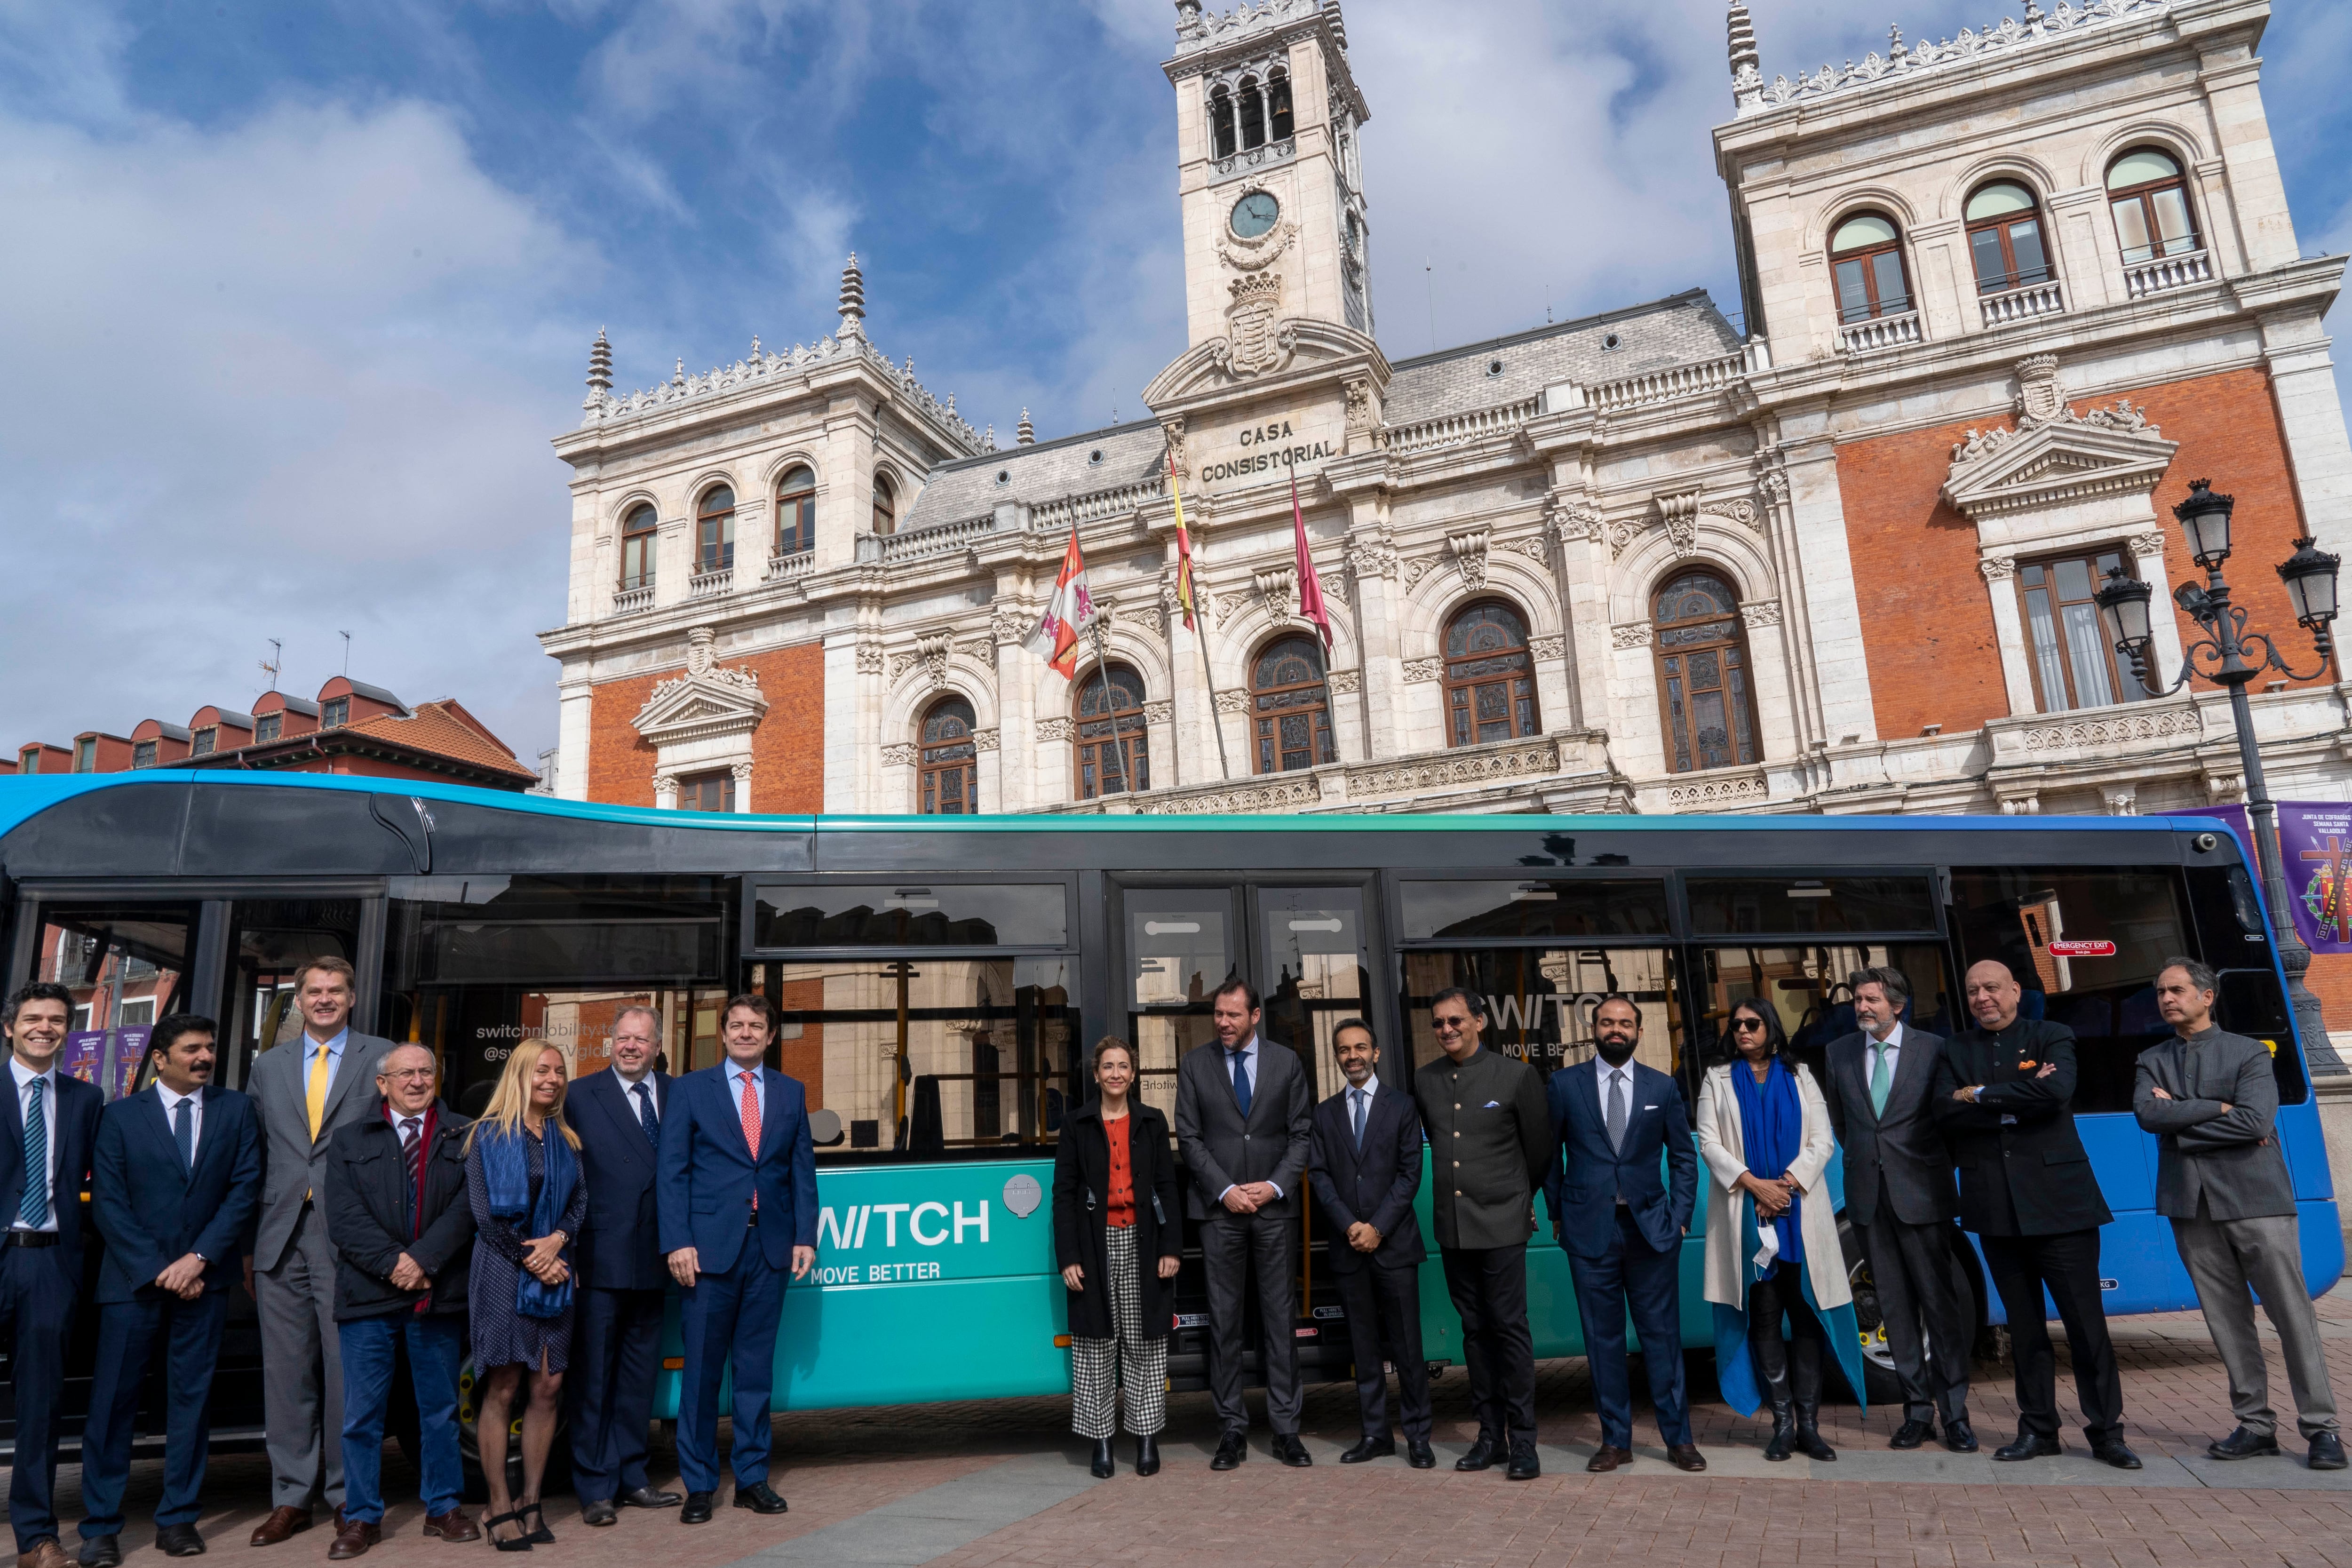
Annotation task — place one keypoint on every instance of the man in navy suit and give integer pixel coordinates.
(1365, 1169)
(174, 1184)
(737, 1192)
(616, 1346)
(1622, 1227)
(46, 1133)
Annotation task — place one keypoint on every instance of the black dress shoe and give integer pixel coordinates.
(102, 1551)
(1912, 1434)
(1525, 1466)
(1232, 1449)
(760, 1498)
(2113, 1452)
(2028, 1445)
(1147, 1455)
(697, 1509)
(647, 1496)
(599, 1511)
(1291, 1452)
(2242, 1445)
(1959, 1436)
(1421, 1457)
(179, 1541)
(1104, 1467)
(1370, 1448)
(2327, 1452)
(1481, 1457)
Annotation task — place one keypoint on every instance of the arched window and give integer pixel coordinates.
(1253, 114)
(714, 530)
(886, 505)
(1703, 674)
(637, 531)
(947, 775)
(1490, 683)
(2150, 201)
(796, 512)
(1291, 711)
(1867, 256)
(1221, 121)
(2005, 239)
(1111, 753)
(1278, 104)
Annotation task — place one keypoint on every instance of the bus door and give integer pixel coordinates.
(1307, 950)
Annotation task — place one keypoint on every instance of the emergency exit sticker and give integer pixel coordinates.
(2082, 950)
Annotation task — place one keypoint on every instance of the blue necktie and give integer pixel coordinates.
(645, 1117)
(1241, 1080)
(33, 1207)
(1359, 1116)
(184, 1132)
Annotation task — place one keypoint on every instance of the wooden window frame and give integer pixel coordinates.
(1466, 686)
(143, 753)
(798, 504)
(715, 553)
(335, 714)
(1265, 720)
(644, 536)
(2125, 687)
(2143, 196)
(2010, 278)
(1127, 728)
(690, 788)
(205, 741)
(939, 759)
(1866, 255)
(1679, 744)
(267, 728)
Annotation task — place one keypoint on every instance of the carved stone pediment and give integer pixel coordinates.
(1271, 353)
(707, 701)
(2069, 457)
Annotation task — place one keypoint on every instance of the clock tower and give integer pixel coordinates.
(1267, 115)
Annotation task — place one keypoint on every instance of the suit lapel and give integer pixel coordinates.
(1586, 1087)
(1913, 1070)
(771, 1113)
(148, 1105)
(614, 1104)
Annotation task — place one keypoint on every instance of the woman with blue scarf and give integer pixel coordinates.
(522, 1181)
(1773, 1249)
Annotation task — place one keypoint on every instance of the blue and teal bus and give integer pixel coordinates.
(941, 980)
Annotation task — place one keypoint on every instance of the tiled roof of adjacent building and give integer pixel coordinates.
(445, 729)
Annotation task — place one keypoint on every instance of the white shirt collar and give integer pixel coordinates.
(1894, 1039)
(171, 1101)
(1601, 1066)
(1367, 1089)
(622, 1079)
(25, 1075)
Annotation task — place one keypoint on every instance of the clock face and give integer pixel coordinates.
(1255, 213)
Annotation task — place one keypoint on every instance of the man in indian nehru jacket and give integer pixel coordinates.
(1365, 1169)
(2211, 1099)
(1489, 1144)
(2004, 1095)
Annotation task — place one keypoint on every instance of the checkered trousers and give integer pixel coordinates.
(1098, 1366)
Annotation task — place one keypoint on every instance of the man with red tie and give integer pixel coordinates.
(737, 1197)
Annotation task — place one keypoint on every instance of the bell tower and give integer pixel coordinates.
(1267, 116)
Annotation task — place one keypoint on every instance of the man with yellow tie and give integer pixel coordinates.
(302, 1091)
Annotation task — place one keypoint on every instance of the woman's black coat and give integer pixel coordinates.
(1081, 1185)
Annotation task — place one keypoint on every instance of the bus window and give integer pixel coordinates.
(1179, 949)
(1472, 910)
(126, 965)
(1318, 971)
(1540, 1001)
(1738, 906)
(2229, 919)
(919, 914)
(930, 1055)
(269, 939)
(2250, 1003)
(1811, 990)
(2085, 945)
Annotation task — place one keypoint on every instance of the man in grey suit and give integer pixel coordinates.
(301, 1093)
(1900, 1194)
(1244, 1121)
(2211, 1099)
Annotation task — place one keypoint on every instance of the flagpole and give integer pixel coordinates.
(1224, 765)
(1102, 668)
(1306, 565)
(1188, 593)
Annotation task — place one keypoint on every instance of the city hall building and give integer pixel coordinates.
(2004, 296)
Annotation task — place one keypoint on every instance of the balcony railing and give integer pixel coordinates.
(1879, 332)
(629, 601)
(1339, 786)
(799, 563)
(1677, 382)
(2022, 304)
(712, 583)
(945, 539)
(1453, 430)
(2162, 274)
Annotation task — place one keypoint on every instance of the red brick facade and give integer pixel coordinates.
(1926, 623)
(787, 750)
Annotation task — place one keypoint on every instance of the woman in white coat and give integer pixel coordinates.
(1771, 1236)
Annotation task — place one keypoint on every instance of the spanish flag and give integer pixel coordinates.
(1183, 545)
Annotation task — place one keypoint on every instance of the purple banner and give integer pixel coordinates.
(85, 1050)
(110, 1058)
(2315, 851)
(130, 1051)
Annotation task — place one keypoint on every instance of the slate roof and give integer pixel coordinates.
(1049, 471)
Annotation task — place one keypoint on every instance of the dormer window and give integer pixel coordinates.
(206, 740)
(1867, 258)
(142, 754)
(267, 728)
(1220, 123)
(86, 756)
(336, 713)
(2005, 239)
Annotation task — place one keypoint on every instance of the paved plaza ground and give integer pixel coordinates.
(972, 1486)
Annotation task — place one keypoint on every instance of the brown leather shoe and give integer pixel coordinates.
(281, 1523)
(45, 1554)
(1608, 1459)
(1686, 1456)
(453, 1526)
(353, 1539)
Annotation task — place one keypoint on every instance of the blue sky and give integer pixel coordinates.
(293, 296)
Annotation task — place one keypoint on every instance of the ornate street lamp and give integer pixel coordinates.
(2228, 655)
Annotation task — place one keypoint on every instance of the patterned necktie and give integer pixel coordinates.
(1617, 1110)
(751, 1128)
(183, 1132)
(317, 1093)
(1241, 1080)
(412, 1155)
(1360, 1098)
(645, 1117)
(1881, 1081)
(33, 1209)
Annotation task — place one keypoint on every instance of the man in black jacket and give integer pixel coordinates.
(2004, 1095)
(404, 1235)
(1365, 1169)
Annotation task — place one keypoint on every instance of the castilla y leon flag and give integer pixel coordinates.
(1183, 546)
(1310, 586)
(1056, 641)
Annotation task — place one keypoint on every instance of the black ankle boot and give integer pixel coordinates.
(1147, 1455)
(1808, 1433)
(1103, 1466)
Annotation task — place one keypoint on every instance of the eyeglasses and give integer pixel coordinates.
(1744, 1025)
(1450, 1026)
(408, 1073)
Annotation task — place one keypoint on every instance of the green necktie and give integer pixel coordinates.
(1881, 1081)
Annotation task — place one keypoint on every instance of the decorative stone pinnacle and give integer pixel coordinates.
(1739, 35)
(1188, 19)
(679, 376)
(853, 300)
(1339, 23)
(1025, 432)
(600, 363)
(1896, 48)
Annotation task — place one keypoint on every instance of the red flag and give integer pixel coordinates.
(1310, 586)
(1056, 638)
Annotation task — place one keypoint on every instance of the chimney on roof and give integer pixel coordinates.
(853, 300)
(1025, 432)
